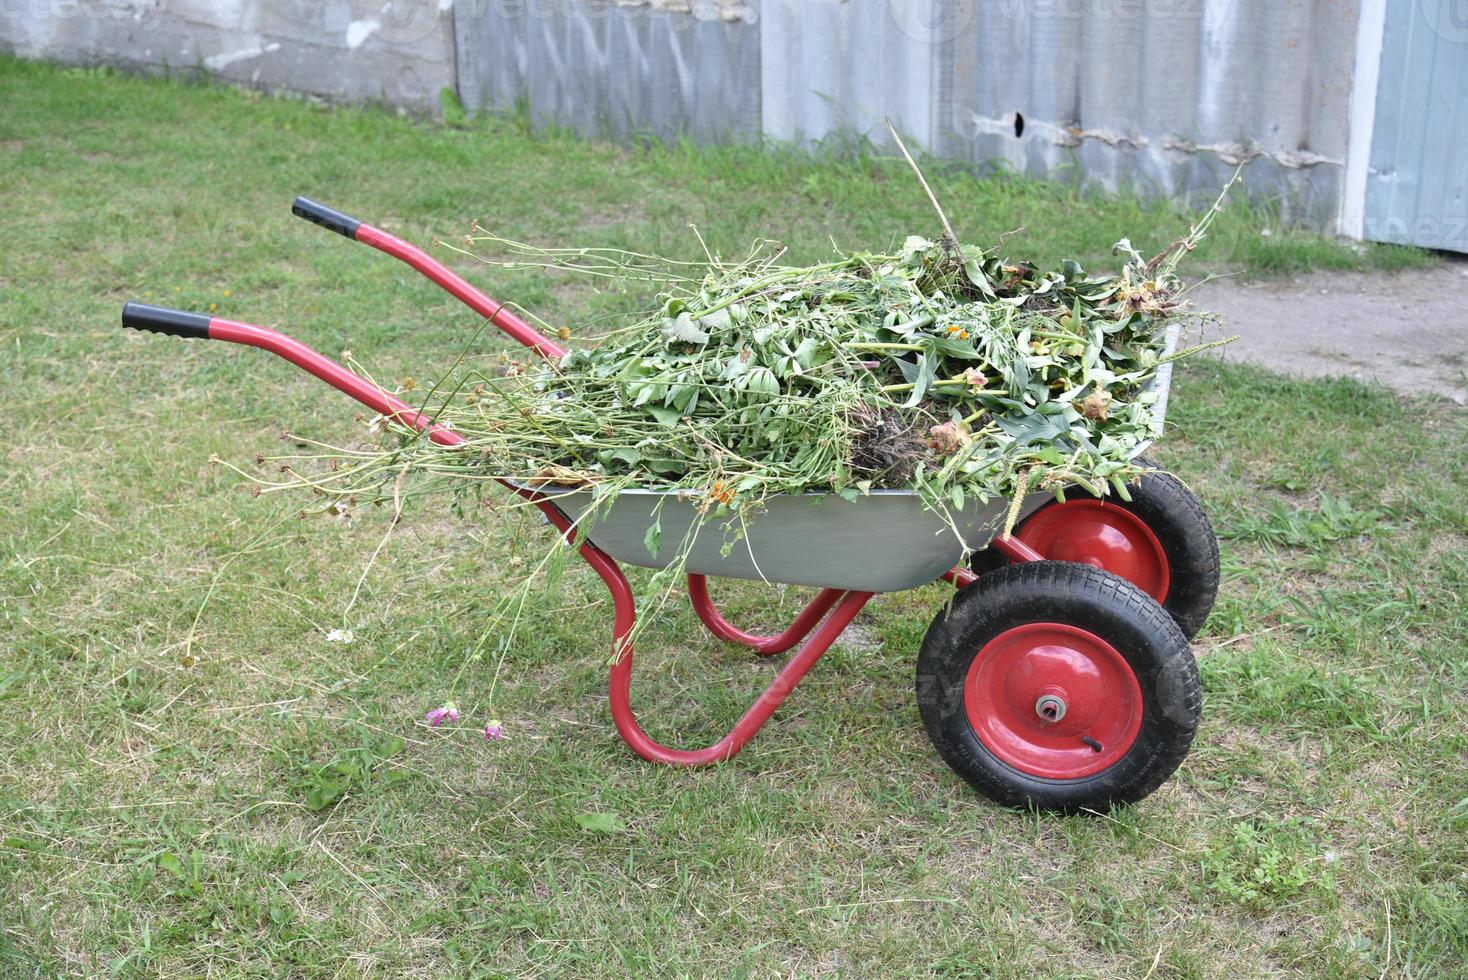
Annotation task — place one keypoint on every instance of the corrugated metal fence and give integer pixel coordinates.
(611, 69)
(1167, 96)
(1338, 109)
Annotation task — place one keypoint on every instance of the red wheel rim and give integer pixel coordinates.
(1053, 701)
(1094, 532)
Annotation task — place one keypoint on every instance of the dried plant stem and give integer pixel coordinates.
(950, 240)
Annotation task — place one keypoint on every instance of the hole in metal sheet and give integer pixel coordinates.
(1019, 124)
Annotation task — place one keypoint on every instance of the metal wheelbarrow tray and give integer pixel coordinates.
(864, 545)
(1045, 683)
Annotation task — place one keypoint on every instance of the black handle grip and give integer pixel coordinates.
(328, 218)
(160, 319)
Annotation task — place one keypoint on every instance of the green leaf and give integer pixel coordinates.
(684, 329)
(975, 272)
(811, 352)
(717, 320)
(325, 793)
(652, 540)
(927, 368)
(625, 455)
(680, 395)
(667, 416)
(601, 823)
(953, 347)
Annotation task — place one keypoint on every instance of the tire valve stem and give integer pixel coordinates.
(1095, 745)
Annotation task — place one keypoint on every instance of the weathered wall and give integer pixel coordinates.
(1162, 95)
(1167, 96)
(397, 51)
(666, 67)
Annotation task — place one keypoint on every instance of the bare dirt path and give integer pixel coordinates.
(1407, 330)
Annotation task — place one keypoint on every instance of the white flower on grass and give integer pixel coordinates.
(378, 424)
(340, 636)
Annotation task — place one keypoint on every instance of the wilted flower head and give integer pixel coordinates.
(447, 712)
(948, 437)
(1096, 405)
(494, 731)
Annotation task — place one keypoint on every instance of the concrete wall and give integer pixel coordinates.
(396, 51)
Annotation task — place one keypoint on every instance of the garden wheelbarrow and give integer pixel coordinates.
(1059, 675)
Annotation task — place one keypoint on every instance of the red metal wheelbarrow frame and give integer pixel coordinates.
(832, 609)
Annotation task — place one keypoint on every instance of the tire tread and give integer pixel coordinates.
(1060, 591)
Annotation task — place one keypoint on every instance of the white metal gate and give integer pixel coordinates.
(1411, 185)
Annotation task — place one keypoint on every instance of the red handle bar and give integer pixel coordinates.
(180, 323)
(486, 306)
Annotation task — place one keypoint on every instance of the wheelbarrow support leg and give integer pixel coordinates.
(698, 592)
(758, 713)
(625, 616)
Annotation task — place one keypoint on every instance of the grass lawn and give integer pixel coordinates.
(193, 780)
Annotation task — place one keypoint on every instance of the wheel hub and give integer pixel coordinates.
(1053, 701)
(1098, 533)
(1050, 708)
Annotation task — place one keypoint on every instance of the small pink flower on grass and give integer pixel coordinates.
(448, 712)
(494, 731)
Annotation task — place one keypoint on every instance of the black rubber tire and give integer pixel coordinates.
(1087, 598)
(1175, 516)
